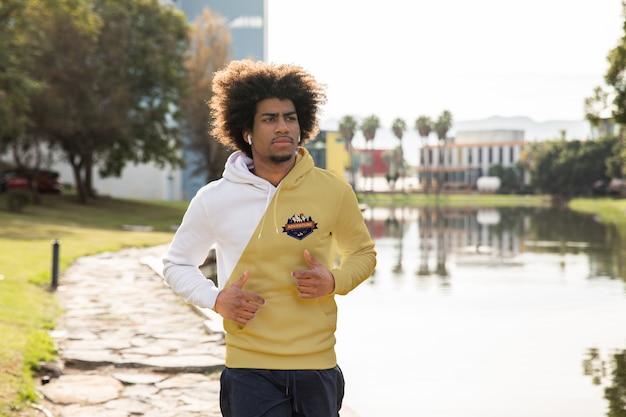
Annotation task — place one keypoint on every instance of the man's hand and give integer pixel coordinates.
(315, 282)
(233, 303)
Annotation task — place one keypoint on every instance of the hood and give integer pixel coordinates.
(237, 170)
(238, 166)
(304, 164)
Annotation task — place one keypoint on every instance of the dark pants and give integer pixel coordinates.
(278, 393)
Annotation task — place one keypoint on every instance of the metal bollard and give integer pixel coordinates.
(55, 264)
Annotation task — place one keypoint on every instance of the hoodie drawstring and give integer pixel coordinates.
(267, 203)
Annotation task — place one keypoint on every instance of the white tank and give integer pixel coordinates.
(488, 184)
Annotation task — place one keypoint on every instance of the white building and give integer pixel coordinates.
(460, 161)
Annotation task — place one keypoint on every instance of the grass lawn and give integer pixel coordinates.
(28, 309)
(608, 210)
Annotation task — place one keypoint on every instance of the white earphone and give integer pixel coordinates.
(250, 140)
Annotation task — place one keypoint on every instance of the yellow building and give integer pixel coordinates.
(328, 150)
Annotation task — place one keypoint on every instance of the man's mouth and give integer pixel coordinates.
(283, 140)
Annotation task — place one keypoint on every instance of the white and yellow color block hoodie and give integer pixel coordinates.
(264, 229)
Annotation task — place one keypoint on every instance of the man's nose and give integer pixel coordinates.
(282, 125)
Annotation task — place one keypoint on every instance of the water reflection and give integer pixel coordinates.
(611, 374)
(494, 237)
(487, 312)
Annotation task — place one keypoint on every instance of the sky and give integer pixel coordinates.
(476, 59)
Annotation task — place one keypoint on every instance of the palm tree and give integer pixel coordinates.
(369, 127)
(347, 127)
(399, 126)
(424, 126)
(442, 126)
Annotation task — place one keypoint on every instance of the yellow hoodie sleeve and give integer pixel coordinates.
(354, 244)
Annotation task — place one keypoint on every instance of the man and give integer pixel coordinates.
(277, 223)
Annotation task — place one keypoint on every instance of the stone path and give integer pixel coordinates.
(129, 346)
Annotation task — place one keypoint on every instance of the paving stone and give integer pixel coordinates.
(128, 378)
(140, 392)
(82, 389)
(129, 345)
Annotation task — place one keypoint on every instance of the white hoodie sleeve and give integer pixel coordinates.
(187, 251)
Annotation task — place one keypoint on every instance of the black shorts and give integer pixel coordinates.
(281, 393)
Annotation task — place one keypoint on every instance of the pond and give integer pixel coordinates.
(486, 312)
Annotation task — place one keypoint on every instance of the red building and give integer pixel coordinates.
(380, 166)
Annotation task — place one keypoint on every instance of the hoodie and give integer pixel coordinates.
(264, 229)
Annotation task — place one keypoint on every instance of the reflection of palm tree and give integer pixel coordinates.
(347, 127)
(397, 268)
(441, 270)
(425, 230)
(399, 126)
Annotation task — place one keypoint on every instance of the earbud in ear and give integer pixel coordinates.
(250, 139)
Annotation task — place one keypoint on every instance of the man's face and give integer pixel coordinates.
(276, 131)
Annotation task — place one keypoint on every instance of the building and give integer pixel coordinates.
(459, 162)
(246, 21)
(328, 150)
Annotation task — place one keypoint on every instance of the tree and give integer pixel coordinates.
(616, 162)
(442, 126)
(595, 108)
(347, 127)
(398, 126)
(424, 126)
(115, 76)
(208, 52)
(616, 74)
(369, 127)
(616, 78)
(19, 44)
(569, 168)
(509, 178)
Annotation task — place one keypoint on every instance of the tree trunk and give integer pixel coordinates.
(77, 167)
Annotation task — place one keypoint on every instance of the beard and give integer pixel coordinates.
(281, 157)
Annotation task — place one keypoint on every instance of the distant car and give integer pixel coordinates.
(617, 187)
(11, 180)
(46, 181)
